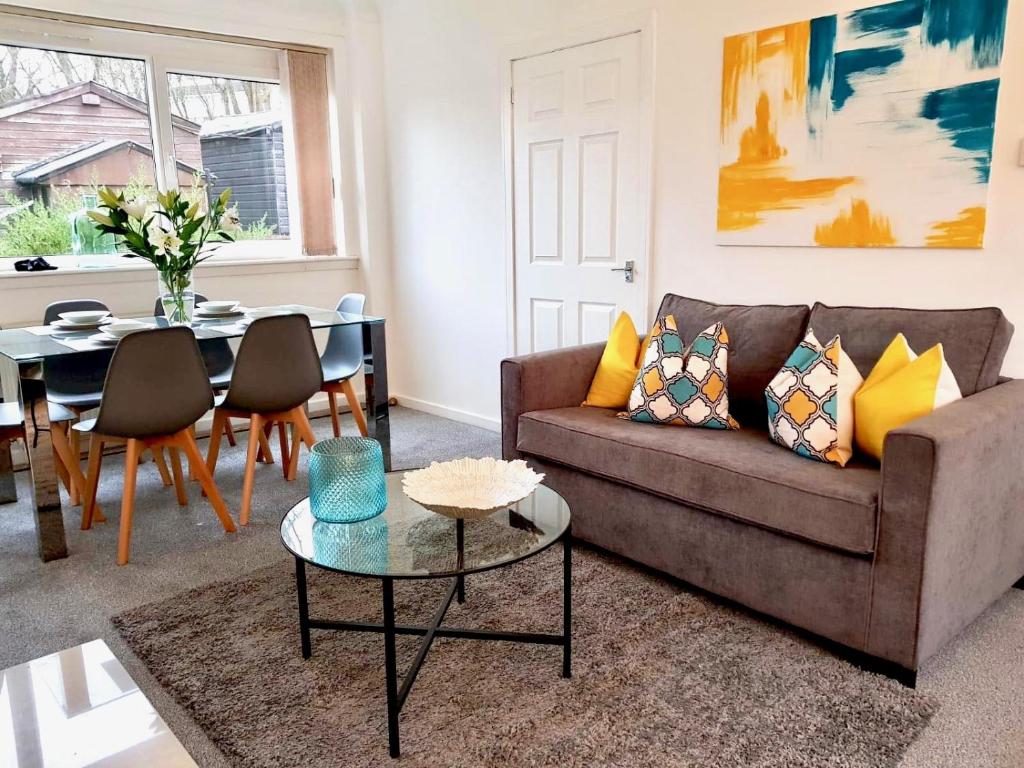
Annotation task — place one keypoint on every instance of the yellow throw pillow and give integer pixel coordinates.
(906, 388)
(618, 367)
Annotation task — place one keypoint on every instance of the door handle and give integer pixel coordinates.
(628, 269)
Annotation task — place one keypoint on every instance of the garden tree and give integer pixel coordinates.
(26, 72)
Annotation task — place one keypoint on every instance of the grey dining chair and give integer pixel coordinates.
(277, 370)
(217, 356)
(342, 359)
(12, 427)
(76, 382)
(155, 391)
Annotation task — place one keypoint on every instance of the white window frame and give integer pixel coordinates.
(163, 54)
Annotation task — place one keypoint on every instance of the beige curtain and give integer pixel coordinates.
(307, 85)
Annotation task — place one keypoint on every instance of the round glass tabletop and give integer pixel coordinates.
(411, 542)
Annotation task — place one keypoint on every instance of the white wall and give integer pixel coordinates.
(443, 93)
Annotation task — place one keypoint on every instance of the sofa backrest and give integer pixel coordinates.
(974, 340)
(761, 338)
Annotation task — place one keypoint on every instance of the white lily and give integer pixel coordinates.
(163, 241)
(137, 208)
(229, 221)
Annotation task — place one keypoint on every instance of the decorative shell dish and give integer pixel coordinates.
(470, 488)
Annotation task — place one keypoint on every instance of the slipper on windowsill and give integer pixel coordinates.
(33, 265)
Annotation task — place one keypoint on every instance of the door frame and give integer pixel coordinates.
(642, 23)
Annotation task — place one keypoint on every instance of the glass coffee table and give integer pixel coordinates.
(408, 541)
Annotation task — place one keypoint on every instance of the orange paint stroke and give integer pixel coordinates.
(856, 228)
(965, 231)
(743, 55)
(745, 193)
(758, 143)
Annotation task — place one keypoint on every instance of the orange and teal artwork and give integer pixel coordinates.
(869, 128)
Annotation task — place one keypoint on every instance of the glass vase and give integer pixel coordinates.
(177, 296)
(346, 480)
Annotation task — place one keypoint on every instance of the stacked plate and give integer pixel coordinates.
(81, 321)
(116, 330)
(214, 310)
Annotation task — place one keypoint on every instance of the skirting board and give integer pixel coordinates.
(465, 417)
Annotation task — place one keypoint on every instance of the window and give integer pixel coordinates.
(142, 111)
(69, 124)
(230, 134)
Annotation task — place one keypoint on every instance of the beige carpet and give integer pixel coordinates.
(662, 677)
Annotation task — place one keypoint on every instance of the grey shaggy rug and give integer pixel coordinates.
(661, 677)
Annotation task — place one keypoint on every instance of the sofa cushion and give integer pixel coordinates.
(974, 340)
(760, 340)
(740, 474)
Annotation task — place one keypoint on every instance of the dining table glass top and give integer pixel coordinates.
(41, 342)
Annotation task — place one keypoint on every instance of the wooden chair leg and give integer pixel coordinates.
(90, 510)
(265, 454)
(353, 403)
(304, 433)
(76, 457)
(69, 470)
(215, 434)
(293, 458)
(230, 432)
(191, 469)
(282, 439)
(255, 435)
(131, 468)
(332, 405)
(179, 480)
(188, 444)
(161, 465)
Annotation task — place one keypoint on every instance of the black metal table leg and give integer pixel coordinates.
(460, 538)
(378, 418)
(390, 666)
(300, 586)
(567, 603)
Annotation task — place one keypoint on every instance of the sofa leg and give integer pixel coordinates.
(1019, 584)
(905, 677)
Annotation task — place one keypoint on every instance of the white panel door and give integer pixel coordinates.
(577, 186)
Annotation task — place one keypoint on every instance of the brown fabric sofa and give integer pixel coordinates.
(892, 560)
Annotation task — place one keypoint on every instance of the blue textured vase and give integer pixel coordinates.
(361, 548)
(346, 480)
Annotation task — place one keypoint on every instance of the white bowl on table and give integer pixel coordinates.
(121, 328)
(219, 307)
(84, 316)
(260, 312)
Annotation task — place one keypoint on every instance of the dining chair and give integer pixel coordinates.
(12, 427)
(343, 359)
(277, 369)
(156, 389)
(217, 356)
(76, 382)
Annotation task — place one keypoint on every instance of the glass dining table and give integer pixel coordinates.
(30, 348)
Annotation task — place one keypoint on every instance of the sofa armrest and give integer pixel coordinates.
(556, 379)
(950, 536)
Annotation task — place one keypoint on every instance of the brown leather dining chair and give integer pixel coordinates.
(277, 370)
(156, 389)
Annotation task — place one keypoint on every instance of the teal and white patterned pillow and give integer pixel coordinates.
(810, 401)
(688, 387)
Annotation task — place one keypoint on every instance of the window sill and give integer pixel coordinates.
(138, 273)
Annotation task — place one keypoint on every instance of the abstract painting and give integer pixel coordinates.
(869, 128)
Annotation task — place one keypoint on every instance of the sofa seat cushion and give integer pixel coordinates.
(741, 474)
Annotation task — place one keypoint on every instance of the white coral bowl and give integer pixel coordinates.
(471, 487)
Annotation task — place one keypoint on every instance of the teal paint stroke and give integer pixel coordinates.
(955, 22)
(966, 114)
(861, 61)
(892, 19)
